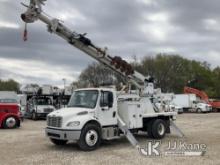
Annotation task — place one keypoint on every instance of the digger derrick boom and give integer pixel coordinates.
(34, 12)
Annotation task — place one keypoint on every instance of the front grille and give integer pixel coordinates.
(48, 110)
(54, 121)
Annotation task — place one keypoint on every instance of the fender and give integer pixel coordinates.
(8, 115)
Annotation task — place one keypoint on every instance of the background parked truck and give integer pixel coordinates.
(190, 103)
(10, 116)
(39, 107)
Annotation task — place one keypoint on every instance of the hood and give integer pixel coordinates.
(204, 105)
(66, 112)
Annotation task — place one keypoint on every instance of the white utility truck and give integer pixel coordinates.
(39, 107)
(100, 113)
(190, 103)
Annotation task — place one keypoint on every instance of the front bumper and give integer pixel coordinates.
(62, 134)
(207, 110)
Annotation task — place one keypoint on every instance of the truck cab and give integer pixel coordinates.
(88, 111)
(201, 107)
(39, 107)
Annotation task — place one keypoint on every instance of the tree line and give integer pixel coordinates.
(9, 85)
(170, 72)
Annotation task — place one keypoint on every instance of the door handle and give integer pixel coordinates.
(114, 114)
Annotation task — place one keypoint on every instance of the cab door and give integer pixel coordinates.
(107, 108)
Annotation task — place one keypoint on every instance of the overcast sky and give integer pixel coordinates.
(190, 28)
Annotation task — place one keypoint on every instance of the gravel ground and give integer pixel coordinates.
(28, 145)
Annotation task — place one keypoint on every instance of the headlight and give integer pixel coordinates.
(73, 123)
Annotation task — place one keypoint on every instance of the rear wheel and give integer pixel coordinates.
(158, 129)
(58, 142)
(10, 122)
(90, 137)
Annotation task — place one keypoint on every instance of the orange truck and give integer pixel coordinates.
(203, 96)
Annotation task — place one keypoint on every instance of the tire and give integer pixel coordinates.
(199, 110)
(149, 128)
(10, 122)
(90, 137)
(159, 129)
(34, 116)
(58, 142)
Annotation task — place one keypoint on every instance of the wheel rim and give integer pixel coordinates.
(10, 122)
(91, 138)
(161, 129)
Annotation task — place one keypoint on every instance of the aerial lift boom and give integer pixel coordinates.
(34, 12)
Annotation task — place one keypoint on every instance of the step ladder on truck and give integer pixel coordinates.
(97, 114)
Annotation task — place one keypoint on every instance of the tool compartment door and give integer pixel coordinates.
(131, 113)
(135, 115)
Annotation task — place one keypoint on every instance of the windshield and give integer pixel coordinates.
(43, 101)
(85, 99)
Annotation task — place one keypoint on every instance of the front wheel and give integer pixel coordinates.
(90, 137)
(199, 110)
(58, 142)
(10, 122)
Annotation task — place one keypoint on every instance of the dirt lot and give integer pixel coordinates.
(28, 145)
